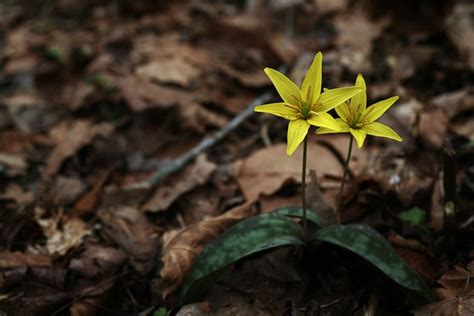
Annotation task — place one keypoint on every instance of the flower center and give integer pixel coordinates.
(305, 109)
(356, 120)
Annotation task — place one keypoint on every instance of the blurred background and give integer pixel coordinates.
(98, 96)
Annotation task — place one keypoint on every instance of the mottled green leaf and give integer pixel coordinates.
(414, 216)
(297, 211)
(370, 245)
(160, 312)
(243, 239)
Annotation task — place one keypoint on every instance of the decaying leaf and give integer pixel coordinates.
(134, 233)
(66, 190)
(179, 255)
(69, 137)
(62, 233)
(326, 6)
(356, 33)
(16, 193)
(433, 128)
(416, 255)
(267, 170)
(456, 282)
(15, 162)
(88, 201)
(11, 260)
(191, 177)
(176, 70)
(97, 261)
(142, 94)
(460, 29)
(461, 306)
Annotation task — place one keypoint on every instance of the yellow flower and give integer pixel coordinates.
(359, 120)
(306, 106)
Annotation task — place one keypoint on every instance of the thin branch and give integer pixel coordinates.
(209, 141)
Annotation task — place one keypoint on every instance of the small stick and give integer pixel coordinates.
(207, 142)
(303, 183)
(346, 168)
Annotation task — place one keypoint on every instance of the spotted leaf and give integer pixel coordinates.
(371, 246)
(241, 240)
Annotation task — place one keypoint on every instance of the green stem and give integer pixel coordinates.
(341, 189)
(303, 180)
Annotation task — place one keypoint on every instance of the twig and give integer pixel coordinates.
(341, 190)
(90, 291)
(204, 145)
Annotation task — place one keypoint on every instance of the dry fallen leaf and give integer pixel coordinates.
(433, 128)
(69, 137)
(88, 201)
(175, 70)
(455, 103)
(66, 190)
(436, 221)
(15, 162)
(97, 261)
(356, 33)
(248, 79)
(180, 252)
(267, 170)
(462, 306)
(192, 176)
(460, 29)
(142, 94)
(62, 234)
(416, 255)
(456, 282)
(326, 6)
(11, 260)
(134, 233)
(16, 193)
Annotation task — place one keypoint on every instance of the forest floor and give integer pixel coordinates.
(98, 100)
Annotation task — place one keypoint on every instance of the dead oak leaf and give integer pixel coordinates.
(456, 282)
(433, 128)
(195, 175)
(416, 255)
(62, 234)
(69, 137)
(131, 230)
(175, 70)
(268, 169)
(356, 33)
(181, 251)
(16, 193)
(12, 260)
(461, 306)
(459, 27)
(248, 79)
(142, 94)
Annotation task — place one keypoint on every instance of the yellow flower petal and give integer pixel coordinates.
(359, 136)
(344, 128)
(331, 98)
(311, 87)
(297, 131)
(376, 110)
(288, 91)
(343, 112)
(358, 102)
(278, 109)
(324, 120)
(381, 130)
